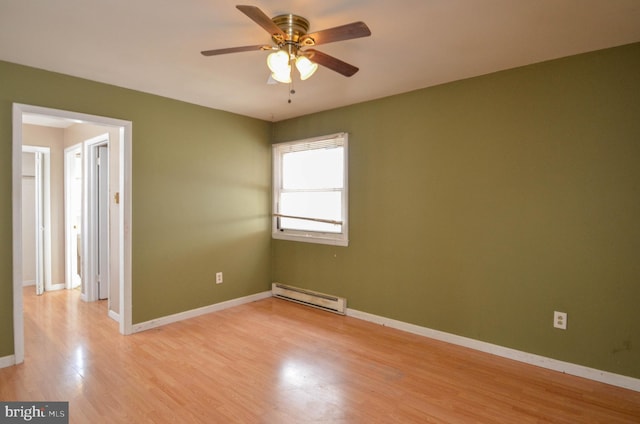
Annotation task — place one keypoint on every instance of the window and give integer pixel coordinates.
(310, 190)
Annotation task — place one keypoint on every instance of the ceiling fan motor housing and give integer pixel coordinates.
(294, 27)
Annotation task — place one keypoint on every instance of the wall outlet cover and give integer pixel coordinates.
(560, 320)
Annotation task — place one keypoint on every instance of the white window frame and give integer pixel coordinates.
(336, 239)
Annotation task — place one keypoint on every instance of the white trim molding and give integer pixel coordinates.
(505, 352)
(181, 316)
(114, 316)
(7, 361)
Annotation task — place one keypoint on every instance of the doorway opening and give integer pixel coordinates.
(116, 260)
(73, 215)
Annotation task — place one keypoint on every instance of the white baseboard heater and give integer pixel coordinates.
(327, 302)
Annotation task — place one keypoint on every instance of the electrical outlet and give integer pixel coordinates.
(560, 320)
(218, 277)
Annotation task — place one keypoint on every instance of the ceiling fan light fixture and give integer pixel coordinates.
(289, 34)
(283, 76)
(278, 62)
(305, 67)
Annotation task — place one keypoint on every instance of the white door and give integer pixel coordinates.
(39, 224)
(28, 219)
(41, 216)
(102, 198)
(95, 219)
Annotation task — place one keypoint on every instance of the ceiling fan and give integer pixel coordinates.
(293, 44)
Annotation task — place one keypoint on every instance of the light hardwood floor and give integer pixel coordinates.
(274, 361)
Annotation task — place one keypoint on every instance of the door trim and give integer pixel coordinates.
(125, 223)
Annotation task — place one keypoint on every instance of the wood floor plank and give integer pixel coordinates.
(274, 361)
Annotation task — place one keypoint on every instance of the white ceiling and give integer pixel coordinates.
(154, 45)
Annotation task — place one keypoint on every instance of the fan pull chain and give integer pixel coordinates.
(291, 91)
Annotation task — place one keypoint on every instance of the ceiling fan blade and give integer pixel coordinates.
(339, 33)
(234, 50)
(259, 17)
(331, 62)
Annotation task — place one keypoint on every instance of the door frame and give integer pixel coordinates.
(125, 211)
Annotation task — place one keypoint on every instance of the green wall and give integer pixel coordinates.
(201, 193)
(481, 206)
(477, 207)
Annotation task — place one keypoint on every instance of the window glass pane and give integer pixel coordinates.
(304, 225)
(313, 169)
(309, 184)
(322, 205)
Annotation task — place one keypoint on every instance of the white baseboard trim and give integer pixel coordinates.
(28, 283)
(505, 352)
(158, 322)
(114, 316)
(7, 361)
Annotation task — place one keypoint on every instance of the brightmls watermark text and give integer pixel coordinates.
(34, 412)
